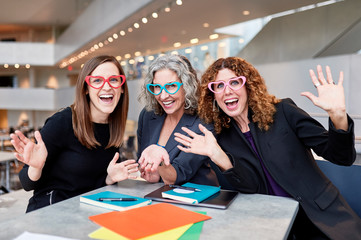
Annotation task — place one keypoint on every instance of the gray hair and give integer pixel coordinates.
(185, 72)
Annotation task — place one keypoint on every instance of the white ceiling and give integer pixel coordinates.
(181, 24)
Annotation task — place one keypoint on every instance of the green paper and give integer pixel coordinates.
(194, 232)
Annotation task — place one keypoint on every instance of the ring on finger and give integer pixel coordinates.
(317, 84)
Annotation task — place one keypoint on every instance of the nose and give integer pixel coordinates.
(227, 89)
(163, 94)
(106, 85)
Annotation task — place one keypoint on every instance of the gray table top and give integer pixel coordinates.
(250, 216)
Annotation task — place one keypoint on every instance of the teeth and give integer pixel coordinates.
(230, 101)
(107, 96)
(166, 103)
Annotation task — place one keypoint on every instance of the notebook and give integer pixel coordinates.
(185, 193)
(114, 205)
(220, 200)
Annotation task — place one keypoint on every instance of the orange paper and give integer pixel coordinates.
(148, 220)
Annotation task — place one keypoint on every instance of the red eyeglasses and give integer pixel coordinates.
(98, 81)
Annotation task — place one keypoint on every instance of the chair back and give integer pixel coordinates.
(347, 179)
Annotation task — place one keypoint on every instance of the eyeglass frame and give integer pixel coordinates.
(163, 87)
(105, 80)
(227, 84)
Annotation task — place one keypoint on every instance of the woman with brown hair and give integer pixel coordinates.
(264, 144)
(77, 149)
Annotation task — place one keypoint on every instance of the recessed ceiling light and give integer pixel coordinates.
(144, 20)
(154, 15)
(194, 40)
(205, 25)
(246, 12)
(213, 36)
(177, 44)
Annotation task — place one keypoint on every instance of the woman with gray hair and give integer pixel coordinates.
(170, 94)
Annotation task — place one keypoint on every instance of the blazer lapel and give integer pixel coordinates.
(156, 122)
(186, 121)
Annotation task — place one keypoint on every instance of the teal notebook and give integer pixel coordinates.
(93, 199)
(190, 196)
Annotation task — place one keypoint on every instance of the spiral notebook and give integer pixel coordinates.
(220, 200)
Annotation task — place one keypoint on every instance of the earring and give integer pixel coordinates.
(215, 106)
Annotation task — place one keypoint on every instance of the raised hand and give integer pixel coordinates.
(28, 152)
(152, 157)
(203, 145)
(195, 143)
(331, 96)
(120, 171)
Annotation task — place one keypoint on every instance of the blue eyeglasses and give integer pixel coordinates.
(170, 88)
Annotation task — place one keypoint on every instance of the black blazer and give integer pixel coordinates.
(286, 153)
(190, 167)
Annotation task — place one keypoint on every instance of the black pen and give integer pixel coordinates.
(185, 188)
(116, 199)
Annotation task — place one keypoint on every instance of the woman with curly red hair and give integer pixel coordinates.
(264, 144)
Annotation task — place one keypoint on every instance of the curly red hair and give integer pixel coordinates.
(260, 101)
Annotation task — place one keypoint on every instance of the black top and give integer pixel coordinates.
(71, 168)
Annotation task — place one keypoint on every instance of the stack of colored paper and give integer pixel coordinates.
(157, 221)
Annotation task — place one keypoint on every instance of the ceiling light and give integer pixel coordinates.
(122, 33)
(110, 39)
(137, 54)
(136, 25)
(106, 42)
(167, 9)
(127, 55)
(177, 44)
(115, 36)
(205, 25)
(246, 12)
(27, 66)
(155, 15)
(174, 53)
(131, 61)
(150, 58)
(141, 59)
(213, 36)
(194, 40)
(6, 65)
(16, 65)
(241, 40)
(123, 63)
(204, 48)
(96, 46)
(92, 49)
(100, 44)
(118, 58)
(144, 20)
(188, 50)
(130, 29)
(179, 2)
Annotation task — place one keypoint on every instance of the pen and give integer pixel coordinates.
(116, 199)
(185, 188)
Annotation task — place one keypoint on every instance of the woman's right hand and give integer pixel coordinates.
(203, 145)
(30, 153)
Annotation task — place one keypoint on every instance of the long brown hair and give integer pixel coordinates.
(259, 100)
(83, 127)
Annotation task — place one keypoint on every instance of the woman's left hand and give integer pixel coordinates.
(331, 96)
(120, 171)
